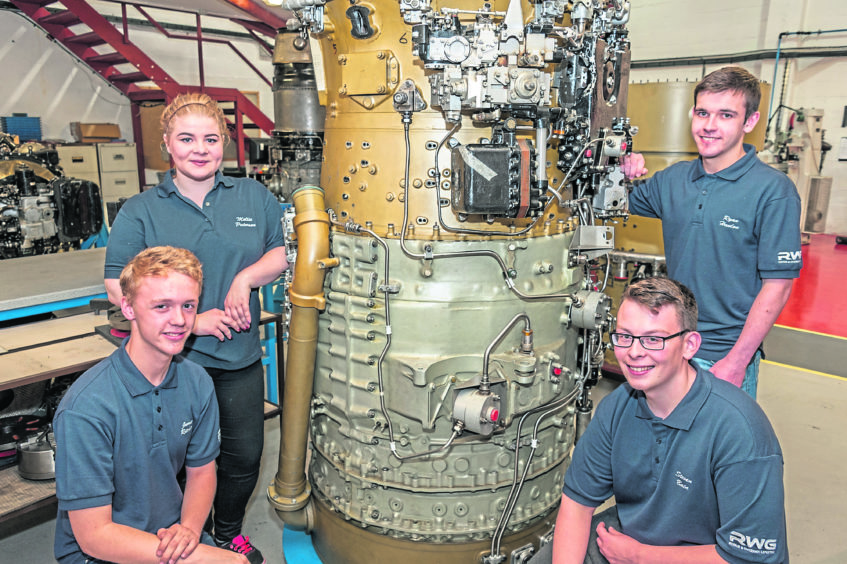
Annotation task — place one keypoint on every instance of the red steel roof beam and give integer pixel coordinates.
(258, 12)
(199, 37)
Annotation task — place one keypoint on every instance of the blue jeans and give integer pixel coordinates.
(241, 396)
(751, 377)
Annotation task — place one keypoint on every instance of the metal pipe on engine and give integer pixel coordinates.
(290, 492)
(630, 256)
(526, 347)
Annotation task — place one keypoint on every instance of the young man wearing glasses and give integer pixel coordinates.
(692, 461)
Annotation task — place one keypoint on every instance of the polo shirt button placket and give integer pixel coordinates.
(157, 416)
(659, 449)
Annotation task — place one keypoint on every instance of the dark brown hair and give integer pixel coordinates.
(655, 293)
(735, 79)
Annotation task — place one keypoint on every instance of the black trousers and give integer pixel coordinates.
(241, 396)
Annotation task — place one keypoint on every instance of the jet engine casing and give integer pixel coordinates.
(439, 427)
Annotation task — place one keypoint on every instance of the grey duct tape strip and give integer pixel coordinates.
(483, 169)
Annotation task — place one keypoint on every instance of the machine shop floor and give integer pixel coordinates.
(808, 411)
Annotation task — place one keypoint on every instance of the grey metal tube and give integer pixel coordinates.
(485, 381)
(735, 58)
(628, 256)
(776, 60)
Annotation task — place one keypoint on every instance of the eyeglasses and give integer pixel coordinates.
(649, 342)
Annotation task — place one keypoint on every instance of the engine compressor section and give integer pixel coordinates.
(447, 315)
(296, 147)
(42, 211)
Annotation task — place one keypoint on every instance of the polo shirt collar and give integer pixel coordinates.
(167, 186)
(683, 415)
(733, 172)
(134, 381)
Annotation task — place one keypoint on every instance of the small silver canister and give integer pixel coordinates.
(36, 460)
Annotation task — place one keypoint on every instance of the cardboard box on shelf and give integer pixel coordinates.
(95, 132)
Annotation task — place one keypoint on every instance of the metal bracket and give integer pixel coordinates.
(389, 288)
(408, 98)
(522, 554)
(590, 242)
(372, 286)
(510, 253)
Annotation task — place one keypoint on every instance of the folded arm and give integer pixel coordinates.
(103, 539)
(180, 539)
(263, 271)
(573, 531)
(619, 548)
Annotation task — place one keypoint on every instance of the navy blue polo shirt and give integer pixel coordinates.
(709, 473)
(724, 233)
(239, 222)
(121, 441)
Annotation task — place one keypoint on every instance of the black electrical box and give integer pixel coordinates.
(481, 179)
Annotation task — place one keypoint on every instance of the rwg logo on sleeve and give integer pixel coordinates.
(751, 544)
(789, 257)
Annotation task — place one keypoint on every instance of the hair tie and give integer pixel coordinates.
(184, 106)
(189, 104)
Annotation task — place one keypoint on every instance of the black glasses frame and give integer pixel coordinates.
(614, 336)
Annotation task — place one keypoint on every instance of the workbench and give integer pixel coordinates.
(45, 283)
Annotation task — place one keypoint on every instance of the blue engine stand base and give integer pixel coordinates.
(297, 548)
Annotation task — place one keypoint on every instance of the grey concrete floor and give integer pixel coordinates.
(808, 411)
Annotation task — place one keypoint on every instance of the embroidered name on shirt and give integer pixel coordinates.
(729, 223)
(682, 481)
(244, 222)
(186, 427)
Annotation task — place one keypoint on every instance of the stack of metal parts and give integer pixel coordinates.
(42, 211)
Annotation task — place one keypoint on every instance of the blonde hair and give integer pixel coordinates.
(193, 103)
(159, 261)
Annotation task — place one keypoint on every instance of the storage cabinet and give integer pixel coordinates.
(80, 161)
(112, 166)
(118, 170)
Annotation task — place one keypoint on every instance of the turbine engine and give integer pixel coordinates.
(447, 308)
